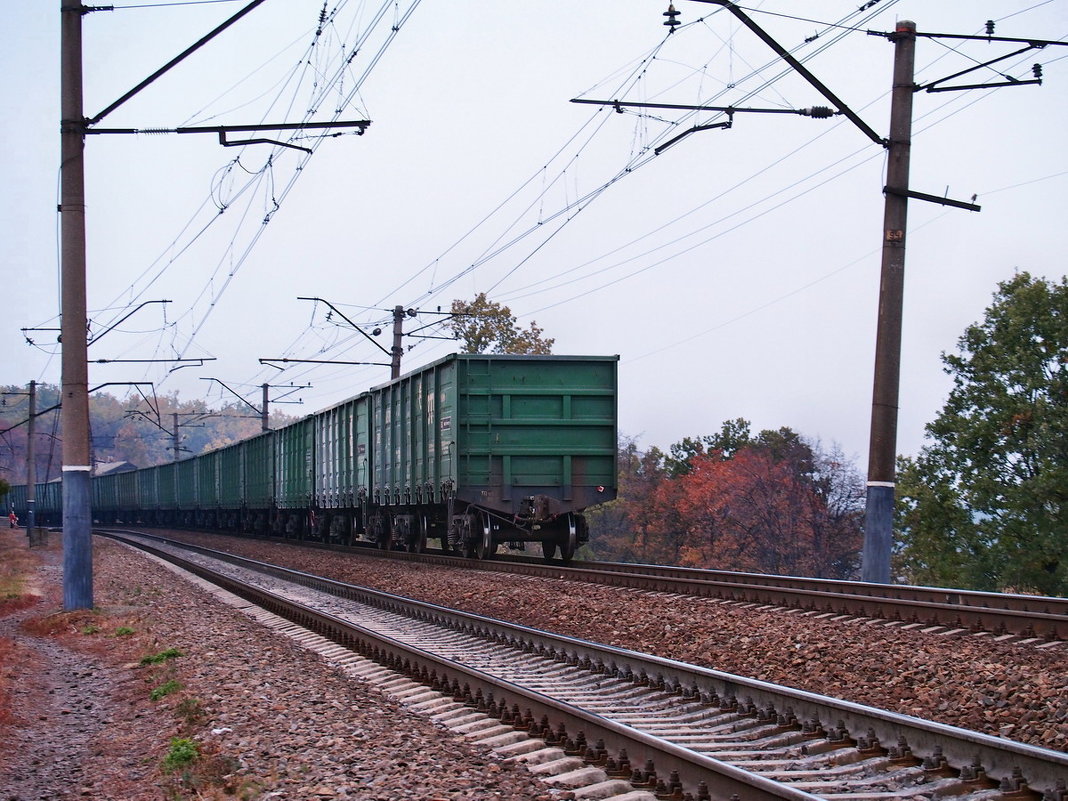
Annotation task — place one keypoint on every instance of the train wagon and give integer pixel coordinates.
(168, 493)
(116, 497)
(478, 450)
(342, 442)
(257, 491)
(472, 450)
(48, 503)
(148, 492)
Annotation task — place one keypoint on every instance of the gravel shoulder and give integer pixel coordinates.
(269, 719)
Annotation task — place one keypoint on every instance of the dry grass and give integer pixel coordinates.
(17, 566)
(18, 590)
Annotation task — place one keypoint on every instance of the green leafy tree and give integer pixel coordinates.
(984, 504)
(488, 327)
(732, 437)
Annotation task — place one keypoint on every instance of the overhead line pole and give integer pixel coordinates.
(77, 516)
(31, 467)
(879, 509)
(263, 412)
(74, 125)
(882, 451)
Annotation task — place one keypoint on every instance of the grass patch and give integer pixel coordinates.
(124, 631)
(165, 689)
(92, 628)
(183, 752)
(17, 566)
(162, 656)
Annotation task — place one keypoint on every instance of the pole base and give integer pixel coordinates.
(878, 534)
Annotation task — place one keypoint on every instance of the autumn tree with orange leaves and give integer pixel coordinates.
(773, 503)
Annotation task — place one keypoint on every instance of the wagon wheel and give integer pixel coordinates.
(565, 538)
(485, 547)
(569, 540)
(380, 532)
(417, 538)
(468, 526)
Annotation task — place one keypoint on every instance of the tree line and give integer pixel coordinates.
(983, 505)
(134, 431)
(769, 503)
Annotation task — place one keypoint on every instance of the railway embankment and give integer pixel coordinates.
(163, 692)
(997, 686)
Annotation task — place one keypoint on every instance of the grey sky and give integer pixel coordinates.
(736, 274)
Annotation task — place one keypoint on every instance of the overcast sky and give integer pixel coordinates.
(736, 274)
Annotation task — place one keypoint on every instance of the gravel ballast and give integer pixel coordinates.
(270, 719)
(975, 682)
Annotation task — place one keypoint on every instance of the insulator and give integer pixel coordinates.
(990, 27)
(1037, 70)
(671, 14)
(818, 112)
(151, 131)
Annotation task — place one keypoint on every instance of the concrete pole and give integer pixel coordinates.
(879, 511)
(174, 436)
(77, 490)
(263, 409)
(31, 466)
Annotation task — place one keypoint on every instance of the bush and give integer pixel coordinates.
(182, 753)
(164, 689)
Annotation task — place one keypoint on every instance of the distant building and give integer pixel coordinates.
(107, 468)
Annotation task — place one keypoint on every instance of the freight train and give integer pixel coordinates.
(473, 450)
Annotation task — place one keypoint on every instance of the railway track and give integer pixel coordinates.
(669, 728)
(1025, 618)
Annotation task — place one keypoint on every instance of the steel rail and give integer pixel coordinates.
(542, 716)
(1024, 616)
(978, 757)
(999, 613)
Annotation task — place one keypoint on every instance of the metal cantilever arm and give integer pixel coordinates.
(786, 56)
(657, 151)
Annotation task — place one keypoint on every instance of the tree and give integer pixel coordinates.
(120, 430)
(732, 437)
(774, 503)
(626, 529)
(767, 511)
(488, 327)
(984, 504)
